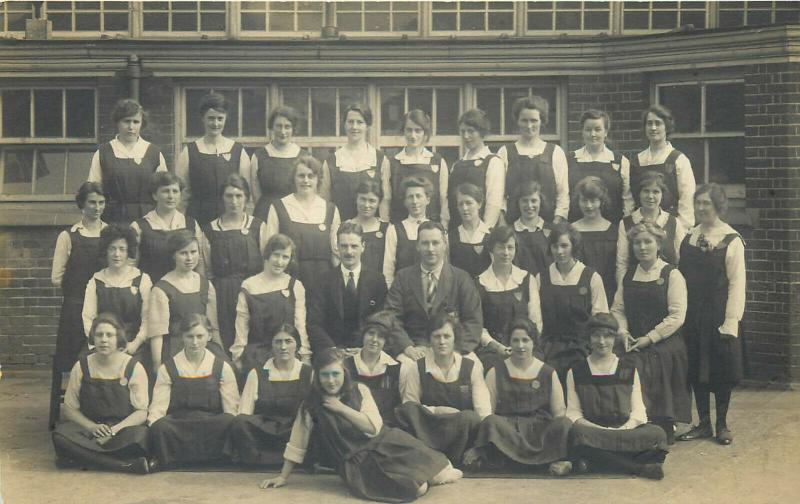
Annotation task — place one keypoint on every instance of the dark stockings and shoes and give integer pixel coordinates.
(70, 454)
(646, 464)
(722, 400)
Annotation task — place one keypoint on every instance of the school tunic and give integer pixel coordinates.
(262, 308)
(544, 162)
(567, 304)
(76, 259)
(269, 405)
(670, 249)
(426, 387)
(424, 164)
(271, 176)
(383, 382)
(486, 171)
(192, 410)
(387, 466)
(107, 399)
(611, 400)
(347, 169)
(125, 175)
(715, 282)
(614, 170)
(230, 256)
(679, 176)
(468, 251)
(533, 250)
(401, 247)
(598, 250)
(153, 234)
(375, 247)
(525, 427)
(652, 304)
(204, 169)
(310, 229)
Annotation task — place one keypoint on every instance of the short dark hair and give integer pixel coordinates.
(350, 227)
(422, 182)
(565, 228)
(194, 320)
(591, 187)
(526, 325)
(127, 107)
(533, 102)
(596, 114)
(362, 109)
(311, 163)
(500, 234)
(113, 320)
(476, 118)
(214, 101)
(717, 194)
(470, 190)
(419, 118)
(114, 232)
(179, 240)
(85, 190)
(430, 225)
(530, 188)
(237, 181)
(286, 112)
(279, 241)
(442, 318)
(162, 179)
(370, 186)
(664, 113)
(652, 177)
(291, 331)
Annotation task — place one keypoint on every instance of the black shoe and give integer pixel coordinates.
(652, 471)
(724, 436)
(702, 431)
(153, 465)
(580, 466)
(137, 466)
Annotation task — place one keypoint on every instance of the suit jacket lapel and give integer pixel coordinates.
(338, 293)
(416, 286)
(442, 287)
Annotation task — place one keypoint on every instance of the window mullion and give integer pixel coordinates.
(34, 169)
(66, 167)
(309, 103)
(64, 113)
(434, 118)
(502, 124)
(32, 116)
(241, 113)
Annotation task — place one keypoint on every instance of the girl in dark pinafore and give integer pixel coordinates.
(368, 198)
(604, 400)
(75, 260)
(650, 308)
(206, 163)
(271, 166)
(528, 425)
(271, 398)
(308, 220)
(467, 243)
(195, 401)
(533, 249)
(232, 247)
(105, 406)
(266, 302)
(444, 394)
(125, 164)
(401, 238)
(376, 462)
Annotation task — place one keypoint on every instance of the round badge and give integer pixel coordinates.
(322, 227)
(379, 234)
(583, 291)
(535, 385)
(245, 231)
(372, 302)
(123, 381)
(477, 162)
(285, 293)
(660, 281)
(134, 290)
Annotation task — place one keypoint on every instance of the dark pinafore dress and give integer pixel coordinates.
(84, 261)
(533, 251)
(605, 400)
(400, 172)
(313, 242)
(261, 438)
(106, 401)
(611, 176)
(451, 434)
(235, 255)
(385, 389)
(268, 312)
(195, 427)
(274, 179)
(522, 428)
(714, 360)
(663, 367)
(565, 311)
(374, 247)
(344, 184)
(126, 304)
(598, 250)
(669, 202)
(127, 184)
(500, 309)
(181, 306)
(472, 258)
(207, 173)
(667, 252)
(154, 256)
(522, 169)
(405, 254)
(463, 171)
(389, 467)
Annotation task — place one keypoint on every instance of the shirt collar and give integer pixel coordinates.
(216, 224)
(274, 372)
(519, 226)
(437, 272)
(360, 159)
(648, 156)
(380, 368)
(225, 147)
(79, 225)
(413, 221)
(489, 279)
(481, 154)
(292, 152)
(137, 152)
(434, 370)
(422, 157)
(657, 267)
(481, 231)
(661, 220)
(131, 273)
(346, 272)
(583, 155)
(178, 222)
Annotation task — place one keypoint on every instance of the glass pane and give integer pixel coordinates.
(114, 5)
(80, 113)
(255, 22)
(472, 21)
(348, 6)
(684, 102)
(349, 21)
(254, 6)
(405, 21)
(759, 17)
(726, 160)
(444, 21)
(18, 172)
(281, 6)
(489, 102)
(512, 95)
(254, 106)
(549, 93)
(281, 22)
(347, 97)
(184, 21)
(50, 167)
(730, 18)
(568, 20)
(192, 6)
(501, 20)
(636, 20)
(787, 16)
(232, 120)
(665, 20)
(16, 113)
(48, 113)
(696, 18)
(78, 163)
(156, 6)
(16, 21)
(725, 107)
(59, 5)
(155, 22)
(116, 22)
(323, 109)
(392, 111)
(540, 20)
(376, 21)
(212, 22)
(450, 154)
(448, 108)
(297, 98)
(420, 99)
(61, 22)
(309, 22)
(87, 22)
(212, 6)
(695, 151)
(595, 20)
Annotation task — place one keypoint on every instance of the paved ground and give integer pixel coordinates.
(762, 466)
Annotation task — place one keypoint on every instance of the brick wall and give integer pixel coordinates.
(156, 98)
(772, 320)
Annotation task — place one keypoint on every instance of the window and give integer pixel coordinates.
(572, 16)
(373, 16)
(104, 16)
(14, 14)
(709, 127)
(658, 15)
(47, 139)
(184, 17)
(247, 115)
(749, 13)
(281, 17)
(476, 17)
(498, 103)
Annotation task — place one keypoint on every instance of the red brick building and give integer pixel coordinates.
(730, 71)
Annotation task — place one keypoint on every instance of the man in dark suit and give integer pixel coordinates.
(419, 292)
(344, 296)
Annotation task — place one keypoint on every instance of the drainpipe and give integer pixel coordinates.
(329, 28)
(134, 76)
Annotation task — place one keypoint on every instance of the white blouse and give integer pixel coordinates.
(216, 225)
(159, 309)
(495, 185)
(222, 148)
(64, 249)
(390, 248)
(363, 369)
(137, 385)
(598, 293)
(583, 155)
(177, 222)
(557, 404)
(350, 161)
(685, 176)
(121, 152)
(292, 151)
(560, 171)
(315, 213)
(473, 237)
(90, 298)
(491, 283)
(250, 393)
(623, 248)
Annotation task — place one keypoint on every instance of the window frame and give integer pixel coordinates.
(143, 34)
(709, 10)
(428, 12)
(4, 9)
(268, 34)
(555, 31)
(90, 34)
(421, 7)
